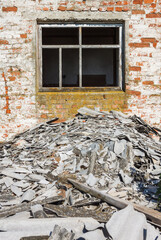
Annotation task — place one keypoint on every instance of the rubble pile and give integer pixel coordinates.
(109, 151)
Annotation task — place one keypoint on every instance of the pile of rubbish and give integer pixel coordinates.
(54, 169)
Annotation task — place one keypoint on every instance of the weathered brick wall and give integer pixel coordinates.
(22, 106)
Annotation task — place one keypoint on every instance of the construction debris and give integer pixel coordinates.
(123, 225)
(151, 214)
(113, 154)
(129, 224)
(37, 229)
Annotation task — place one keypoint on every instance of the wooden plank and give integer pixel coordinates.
(151, 214)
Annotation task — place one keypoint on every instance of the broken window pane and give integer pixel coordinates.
(100, 35)
(60, 36)
(50, 67)
(100, 67)
(70, 77)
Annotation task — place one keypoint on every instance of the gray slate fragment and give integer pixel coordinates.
(119, 147)
(8, 181)
(125, 178)
(139, 153)
(156, 172)
(28, 195)
(17, 191)
(61, 234)
(13, 175)
(89, 112)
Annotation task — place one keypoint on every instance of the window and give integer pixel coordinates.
(81, 56)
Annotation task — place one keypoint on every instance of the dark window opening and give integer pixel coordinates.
(50, 67)
(60, 36)
(100, 36)
(99, 68)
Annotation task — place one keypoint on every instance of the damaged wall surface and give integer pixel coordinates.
(22, 105)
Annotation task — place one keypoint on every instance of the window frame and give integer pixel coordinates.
(80, 46)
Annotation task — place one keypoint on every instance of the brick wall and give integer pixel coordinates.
(22, 105)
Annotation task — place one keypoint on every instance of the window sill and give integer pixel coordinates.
(83, 89)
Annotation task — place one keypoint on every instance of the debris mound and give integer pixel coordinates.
(109, 151)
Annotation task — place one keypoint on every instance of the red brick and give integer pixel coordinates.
(149, 40)
(148, 83)
(119, 3)
(138, 12)
(8, 111)
(110, 9)
(153, 15)
(137, 1)
(3, 41)
(137, 79)
(153, 5)
(118, 9)
(139, 45)
(45, 9)
(11, 78)
(23, 35)
(134, 68)
(148, 1)
(132, 92)
(154, 44)
(62, 8)
(7, 98)
(9, 9)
